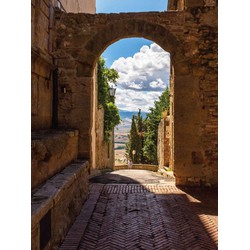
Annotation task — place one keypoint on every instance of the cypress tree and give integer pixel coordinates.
(133, 142)
(140, 137)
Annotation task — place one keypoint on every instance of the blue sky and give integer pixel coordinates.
(116, 6)
(124, 48)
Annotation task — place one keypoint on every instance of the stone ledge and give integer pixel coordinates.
(138, 166)
(46, 134)
(52, 150)
(47, 196)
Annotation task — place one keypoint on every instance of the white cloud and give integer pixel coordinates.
(132, 100)
(147, 70)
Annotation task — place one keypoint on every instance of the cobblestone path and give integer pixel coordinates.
(141, 216)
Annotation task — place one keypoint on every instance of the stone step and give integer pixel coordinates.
(164, 171)
(52, 150)
(56, 203)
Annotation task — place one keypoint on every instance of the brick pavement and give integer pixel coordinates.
(141, 216)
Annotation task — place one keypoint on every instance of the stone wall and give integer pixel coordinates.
(93, 156)
(163, 143)
(51, 152)
(41, 65)
(104, 151)
(60, 200)
(171, 119)
(191, 38)
(201, 44)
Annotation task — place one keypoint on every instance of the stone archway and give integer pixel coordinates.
(80, 40)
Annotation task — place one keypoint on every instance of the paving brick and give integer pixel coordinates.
(134, 216)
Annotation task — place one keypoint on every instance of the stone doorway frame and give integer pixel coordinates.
(81, 39)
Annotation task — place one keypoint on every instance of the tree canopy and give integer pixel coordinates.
(111, 112)
(151, 122)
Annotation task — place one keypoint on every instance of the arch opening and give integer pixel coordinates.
(144, 79)
(84, 49)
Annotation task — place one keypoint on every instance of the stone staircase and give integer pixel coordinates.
(59, 186)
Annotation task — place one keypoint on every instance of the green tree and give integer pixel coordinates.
(111, 118)
(140, 132)
(105, 76)
(151, 127)
(136, 139)
(111, 112)
(133, 142)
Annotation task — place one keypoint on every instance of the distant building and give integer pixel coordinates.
(79, 6)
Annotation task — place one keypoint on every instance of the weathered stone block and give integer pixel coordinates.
(210, 3)
(62, 196)
(182, 68)
(194, 3)
(51, 152)
(34, 95)
(83, 69)
(201, 71)
(197, 158)
(44, 8)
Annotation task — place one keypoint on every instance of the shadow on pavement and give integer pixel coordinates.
(122, 213)
(208, 198)
(130, 176)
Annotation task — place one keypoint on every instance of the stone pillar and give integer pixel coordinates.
(188, 152)
(175, 5)
(163, 145)
(104, 151)
(94, 123)
(75, 103)
(171, 119)
(111, 159)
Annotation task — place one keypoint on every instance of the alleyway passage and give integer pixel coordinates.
(139, 209)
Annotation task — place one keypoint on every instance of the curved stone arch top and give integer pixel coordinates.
(87, 36)
(116, 31)
(81, 39)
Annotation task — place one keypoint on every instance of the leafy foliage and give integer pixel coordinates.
(111, 112)
(105, 76)
(111, 118)
(151, 123)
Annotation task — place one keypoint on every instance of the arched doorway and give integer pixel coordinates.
(142, 95)
(80, 41)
